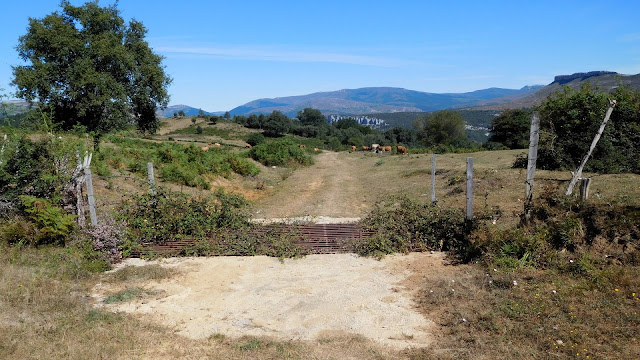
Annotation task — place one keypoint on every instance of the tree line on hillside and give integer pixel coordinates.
(443, 128)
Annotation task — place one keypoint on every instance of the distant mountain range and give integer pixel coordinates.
(379, 100)
(605, 80)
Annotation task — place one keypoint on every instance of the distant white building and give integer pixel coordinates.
(372, 122)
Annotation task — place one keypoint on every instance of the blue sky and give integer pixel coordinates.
(222, 54)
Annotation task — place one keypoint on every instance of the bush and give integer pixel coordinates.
(107, 238)
(53, 223)
(170, 215)
(255, 139)
(280, 152)
(570, 119)
(405, 225)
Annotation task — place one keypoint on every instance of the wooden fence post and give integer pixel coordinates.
(433, 180)
(534, 137)
(584, 188)
(89, 182)
(152, 181)
(578, 174)
(469, 188)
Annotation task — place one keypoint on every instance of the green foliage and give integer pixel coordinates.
(276, 124)
(170, 215)
(569, 121)
(54, 225)
(255, 139)
(312, 117)
(199, 129)
(41, 167)
(187, 165)
(511, 128)
(280, 152)
(405, 225)
(86, 66)
(446, 127)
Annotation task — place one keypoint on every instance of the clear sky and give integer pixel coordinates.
(222, 54)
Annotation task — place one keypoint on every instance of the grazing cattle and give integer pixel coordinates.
(209, 144)
(353, 148)
(204, 148)
(386, 148)
(217, 145)
(316, 149)
(365, 148)
(374, 147)
(302, 146)
(402, 150)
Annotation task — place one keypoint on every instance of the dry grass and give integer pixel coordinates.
(546, 315)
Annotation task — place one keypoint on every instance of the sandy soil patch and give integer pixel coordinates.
(306, 299)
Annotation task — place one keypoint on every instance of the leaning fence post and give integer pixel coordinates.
(152, 181)
(578, 174)
(433, 180)
(89, 182)
(469, 188)
(534, 137)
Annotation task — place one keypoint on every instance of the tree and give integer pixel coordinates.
(276, 124)
(227, 115)
(570, 118)
(181, 113)
(200, 113)
(310, 116)
(511, 129)
(86, 66)
(446, 127)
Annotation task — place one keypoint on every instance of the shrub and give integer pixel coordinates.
(18, 231)
(199, 129)
(280, 152)
(255, 139)
(405, 225)
(53, 223)
(170, 215)
(107, 238)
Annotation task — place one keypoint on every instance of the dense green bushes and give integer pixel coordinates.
(280, 152)
(565, 234)
(570, 119)
(169, 215)
(187, 165)
(404, 225)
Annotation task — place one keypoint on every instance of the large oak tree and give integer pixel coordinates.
(86, 66)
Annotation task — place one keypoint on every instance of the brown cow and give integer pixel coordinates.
(353, 148)
(316, 149)
(217, 145)
(302, 146)
(204, 148)
(402, 150)
(209, 144)
(386, 148)
(365, 148)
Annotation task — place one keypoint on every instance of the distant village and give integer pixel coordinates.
(362, 120)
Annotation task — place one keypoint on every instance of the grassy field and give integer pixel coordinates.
(584, 306)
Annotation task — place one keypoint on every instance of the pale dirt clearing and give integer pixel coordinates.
(301, 299)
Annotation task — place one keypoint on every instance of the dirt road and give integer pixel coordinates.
(334, 187)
